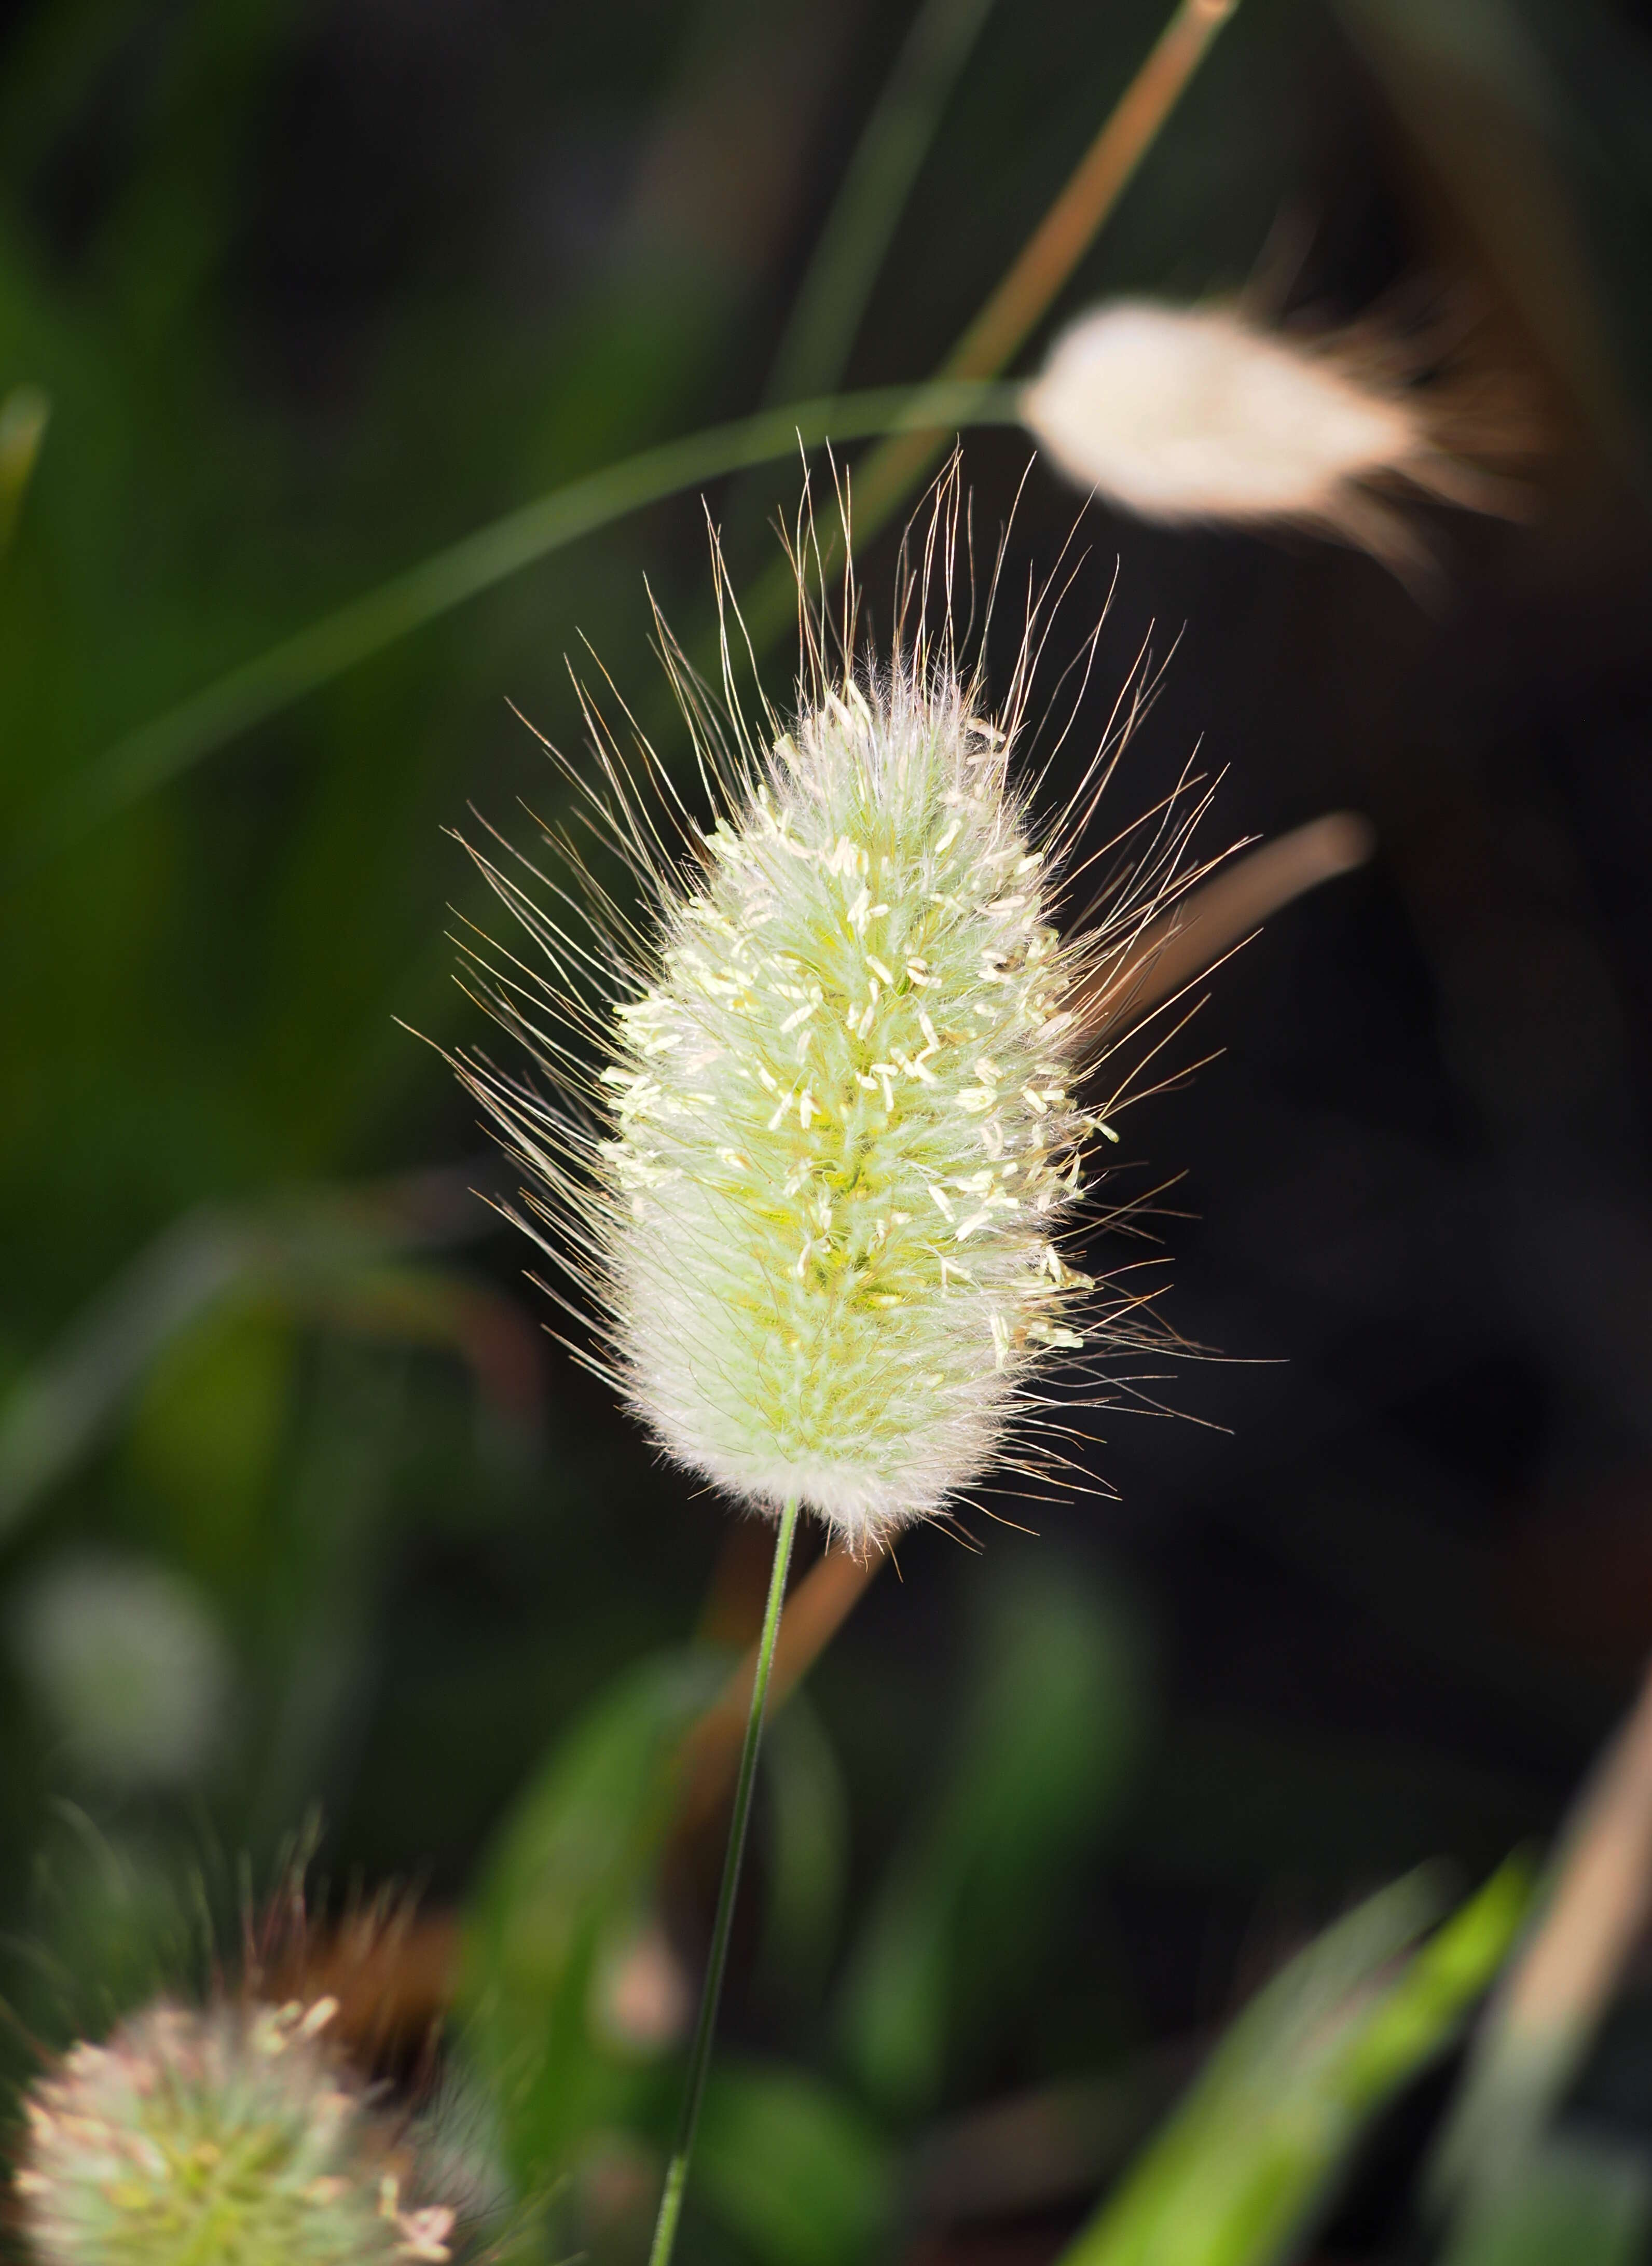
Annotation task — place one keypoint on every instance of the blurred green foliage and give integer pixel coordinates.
(959, 1930)
(1238, 2174)
(569, 1884)
(1570, 2199)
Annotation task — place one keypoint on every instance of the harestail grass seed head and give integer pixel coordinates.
(201, 2137)
(1185, 414)
(814, 1146)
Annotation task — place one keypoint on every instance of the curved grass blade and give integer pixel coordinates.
(1247, 2163)
(146, 759)
(24, 414)
(1567, 2201)
(955, 1933)
(345, 1258)
(1592, 1913)
(795, 2168)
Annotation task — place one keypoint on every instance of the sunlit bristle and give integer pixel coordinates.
(819, 1142)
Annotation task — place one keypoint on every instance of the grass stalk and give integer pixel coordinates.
(855, 237)
(1044, 264)
(722, 1926)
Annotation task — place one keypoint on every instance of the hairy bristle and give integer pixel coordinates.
(815, 1145)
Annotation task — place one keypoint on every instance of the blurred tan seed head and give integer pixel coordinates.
(1190, 415)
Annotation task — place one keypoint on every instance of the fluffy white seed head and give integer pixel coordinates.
(1197, 414)
(819, 1209)
(229, 2132)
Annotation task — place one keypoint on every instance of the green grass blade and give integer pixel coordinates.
(1239, 2174)
(1567, 2203)
(855, 240)
(797, 2170)
(25, 413)
(953, 1938)
(56, 1410)
(329, 1254)
(157, 752)
(572, 1869)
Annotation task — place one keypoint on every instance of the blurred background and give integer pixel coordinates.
(303, 1514)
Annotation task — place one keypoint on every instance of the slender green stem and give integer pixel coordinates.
(705, 2024)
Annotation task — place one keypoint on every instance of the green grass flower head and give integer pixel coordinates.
(230, 2136)
(816, 1140)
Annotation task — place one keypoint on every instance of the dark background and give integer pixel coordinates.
(314, 289)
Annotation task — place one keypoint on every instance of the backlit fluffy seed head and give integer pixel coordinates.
(1198, 413)
(819, 1206)
(232, 2136)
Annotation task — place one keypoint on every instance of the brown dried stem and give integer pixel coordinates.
(1053, 251)
(818, 1609)
(1185, 942)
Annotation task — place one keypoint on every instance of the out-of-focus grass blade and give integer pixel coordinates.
(57, 1409)
(1568, 2204)
(1239, 2174)
(1052, 1727)
(807, 1864)
(569, 1874)
(24, 414)
(148, 757)
(328, 1256)
(792, 2168)
(1594, 1907)
(872, 196)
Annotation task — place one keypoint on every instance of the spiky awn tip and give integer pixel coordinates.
(808, 1142)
